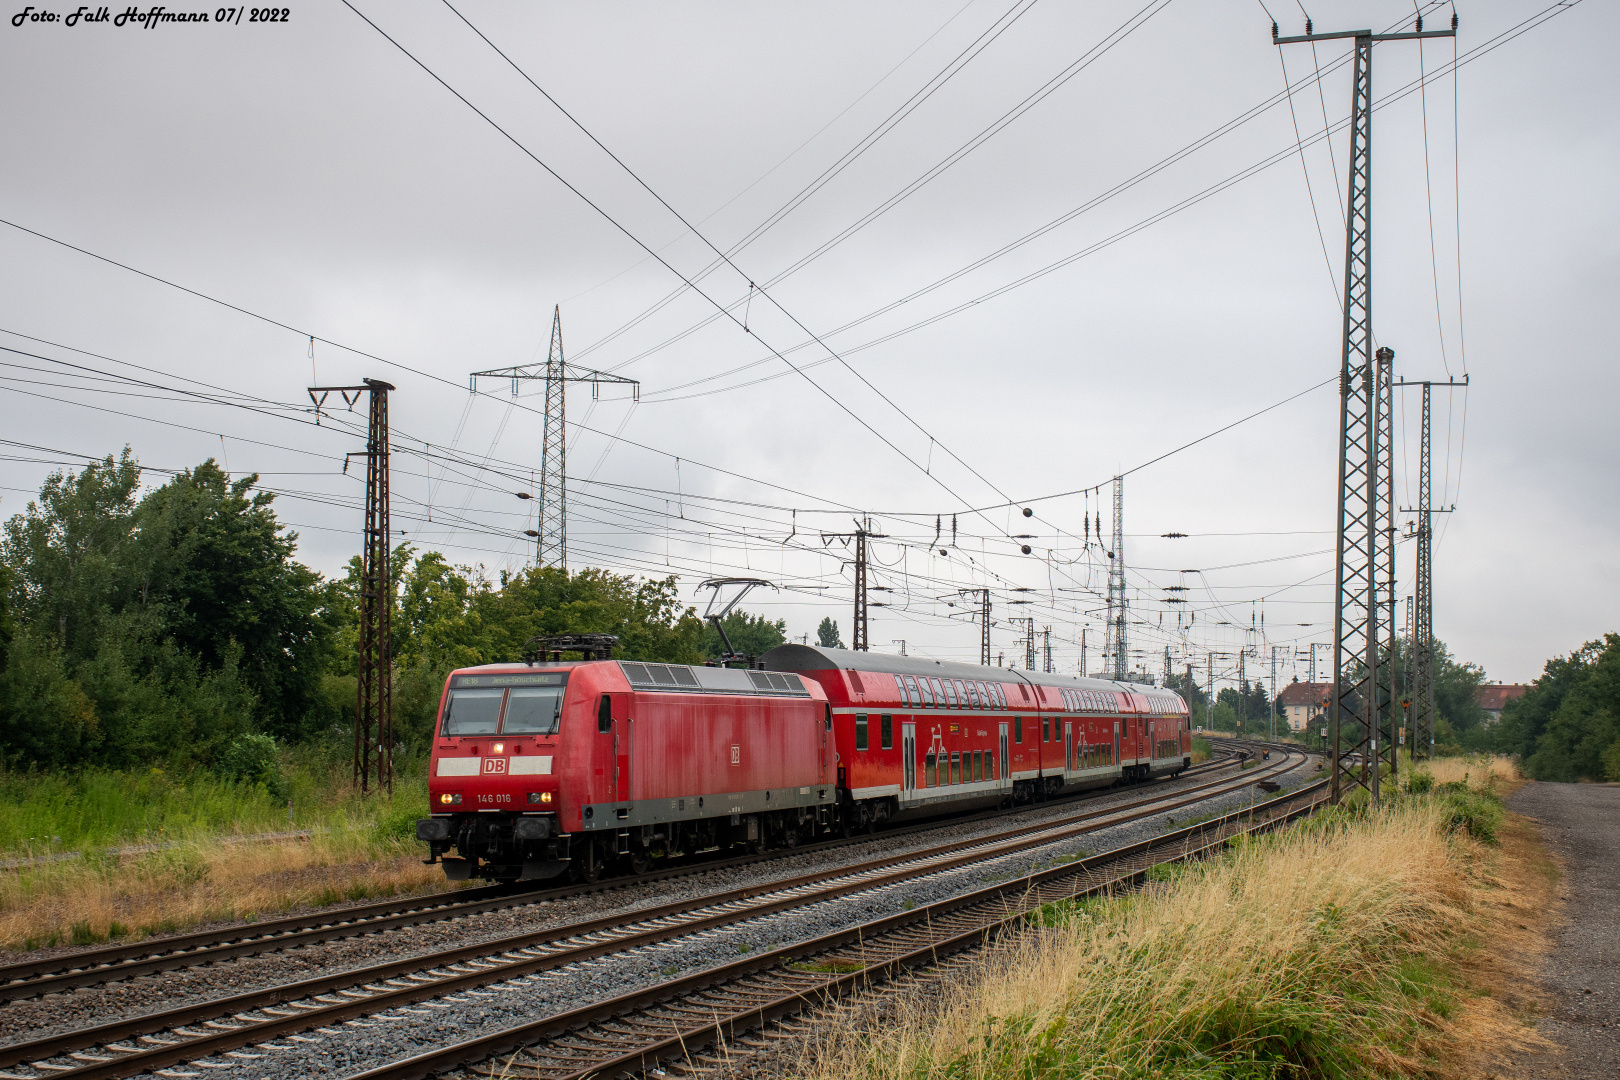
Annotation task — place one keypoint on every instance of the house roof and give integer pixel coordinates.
(1493, 697)
(1303, 693)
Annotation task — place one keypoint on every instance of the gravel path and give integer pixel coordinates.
(1581, 824)
(363, 1044)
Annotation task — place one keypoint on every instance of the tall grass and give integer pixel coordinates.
(1325, 952)
(190, 851)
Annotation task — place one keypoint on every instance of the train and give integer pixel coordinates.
(545, 767)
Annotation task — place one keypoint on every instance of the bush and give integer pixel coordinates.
(1478, 813)
(255, 759)
(1419, 783)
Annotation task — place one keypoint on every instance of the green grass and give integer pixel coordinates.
(45, 813)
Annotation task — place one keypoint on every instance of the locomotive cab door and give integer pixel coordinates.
(908, 759)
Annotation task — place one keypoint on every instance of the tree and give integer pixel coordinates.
(751, 635)
(1567, 726)
(154, 628)
(827, 634)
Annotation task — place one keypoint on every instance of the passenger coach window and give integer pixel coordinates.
(950, 693)
(886, 731)
(472, 712)
(534, 710)
(931, 770)
(1018, 729)
(1046, 729)
(860, 731)
(956, 768)
(913, 696)
(604, 715)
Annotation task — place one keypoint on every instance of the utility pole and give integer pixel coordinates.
(1166, 666)
(1028, 641)
(860, 642)
(551, 532)
(1046, 645)
(1420, 639)
(900, 642)
(1116, 586)
(374, 697)
(1356, 693)
(1274, 649)
(984, 623)
(1083, 652)
(1209, 704)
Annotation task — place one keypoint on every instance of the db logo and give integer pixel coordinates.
(736, 755)
(494, 764)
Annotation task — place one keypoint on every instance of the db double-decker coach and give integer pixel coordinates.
(919, 737)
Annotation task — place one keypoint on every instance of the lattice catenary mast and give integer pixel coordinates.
(374, 695)
(1116, 587)
(1358, 702)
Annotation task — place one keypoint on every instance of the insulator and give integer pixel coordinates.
(1024, 548)
(1028, 512)
(1274, 29)
(1420, 24)
(1307, 26)
(1454, 20)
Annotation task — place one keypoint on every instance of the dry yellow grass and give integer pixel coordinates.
(1483, 771)
(1326, 952)
(81, 901)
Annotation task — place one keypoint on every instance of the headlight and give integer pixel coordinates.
(451, 800)
(539, 797)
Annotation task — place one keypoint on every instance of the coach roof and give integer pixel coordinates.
(815, 658)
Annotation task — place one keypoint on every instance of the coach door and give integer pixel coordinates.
(1117, 759)
(1068, 746)
(1005, 776)
(908, 759)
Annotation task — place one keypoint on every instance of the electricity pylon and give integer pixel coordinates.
(1359, 697)
(551, 532)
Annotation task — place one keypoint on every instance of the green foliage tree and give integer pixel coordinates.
(751, 635)
(827, 634)
(153, 627)
(1567, 726)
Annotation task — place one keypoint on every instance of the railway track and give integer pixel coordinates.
(642, 1031)
(114, 963)
(261, 1020)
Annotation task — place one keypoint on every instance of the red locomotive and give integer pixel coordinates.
(549, 766)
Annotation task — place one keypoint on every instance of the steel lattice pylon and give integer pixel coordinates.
(1421, 645)
(551, 526)
(1116, 587)
(1422, 734)
(1363, 621)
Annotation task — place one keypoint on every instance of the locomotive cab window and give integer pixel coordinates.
(533, 710)
(860, 731)
(886, 731)
(604, 714)
(473, 711)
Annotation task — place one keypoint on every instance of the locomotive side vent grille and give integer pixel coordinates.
(677, 677)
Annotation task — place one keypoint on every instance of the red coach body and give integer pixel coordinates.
(918, 737)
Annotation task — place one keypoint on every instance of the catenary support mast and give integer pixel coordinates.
(1358, 708)
(374, 695)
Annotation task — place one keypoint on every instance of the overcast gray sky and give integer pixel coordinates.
(313, 173)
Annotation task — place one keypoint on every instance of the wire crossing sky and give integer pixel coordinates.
(932, 263)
